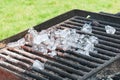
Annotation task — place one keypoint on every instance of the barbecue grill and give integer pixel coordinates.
(67, 65)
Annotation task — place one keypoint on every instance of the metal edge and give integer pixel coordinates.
(93, 72)
(6, 74)
(77, 10)
(98, 16)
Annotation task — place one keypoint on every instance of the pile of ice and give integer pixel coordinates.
(67, 39)
(47, 41)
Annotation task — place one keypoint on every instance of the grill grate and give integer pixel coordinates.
(67, 65)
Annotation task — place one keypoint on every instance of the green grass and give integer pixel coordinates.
(18, 15)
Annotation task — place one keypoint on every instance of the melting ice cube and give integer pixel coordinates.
(40, 38)
(51, 47)
(20, 42)
(87, 28)
(73, 31)
(110, 29)
(43, 49)
(62, 33)
(93, 39)
(37, 65)
(33, 32)
(89, 47)
(83, 52)
(53, 53)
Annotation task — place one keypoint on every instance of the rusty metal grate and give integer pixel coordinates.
(66, 65)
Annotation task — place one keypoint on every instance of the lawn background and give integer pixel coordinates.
(18, 15)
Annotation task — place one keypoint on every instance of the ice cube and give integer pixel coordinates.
(67, 31)
(35, 47)
(33, 32)
(64, 42)
(86, 53)
(87, 28)
(79, 45)
(74, 37)
(18, 43)
(73, 44)
(95, 51)
(42, 48)
(57, 33)
(82, 36)
(89, 47)
(43, 32)
(64, 47)
(40, 38)
(37, 65)
(12, 44)
(64, 33)
(53, 53)
(51, 47)
(80, 51)
(72, 31)
(110, 29)
(93, 39)
(47, 42)
(21, 41)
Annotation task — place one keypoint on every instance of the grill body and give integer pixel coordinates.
(64, 67)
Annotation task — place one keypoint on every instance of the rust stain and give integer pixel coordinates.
(6, 75)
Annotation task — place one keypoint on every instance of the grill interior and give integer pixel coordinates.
(66, 65)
